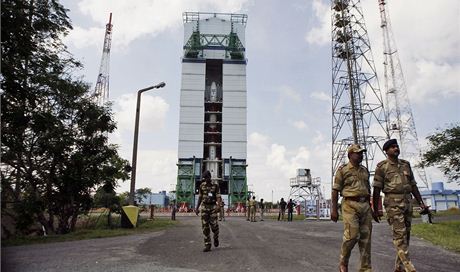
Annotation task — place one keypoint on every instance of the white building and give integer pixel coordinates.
(213, 106)
(440, 199)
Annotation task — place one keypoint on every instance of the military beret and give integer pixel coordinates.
(355, 148)
(206, 174)
(389, 143)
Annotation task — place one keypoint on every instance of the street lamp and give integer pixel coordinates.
(136, 136)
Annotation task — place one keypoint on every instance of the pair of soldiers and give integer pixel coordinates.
(395, 179)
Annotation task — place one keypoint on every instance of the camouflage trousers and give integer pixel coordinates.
(357, 222)
(209, 222)
(252, 213)
(399, 214)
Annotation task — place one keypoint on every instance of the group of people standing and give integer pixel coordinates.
(282, 209)
(395, 179)
(251, 209)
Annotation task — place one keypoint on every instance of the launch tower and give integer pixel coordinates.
(212, 126)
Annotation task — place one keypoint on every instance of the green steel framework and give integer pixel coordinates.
(238, 187)
(185, 186)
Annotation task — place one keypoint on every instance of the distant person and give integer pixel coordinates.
(352, 182)
(222, 211)
(247, 208)
(173, 211)
(209, 200)
(262, 209)
(252, 208)
(290, 208)
(395, 179)
(282, 209)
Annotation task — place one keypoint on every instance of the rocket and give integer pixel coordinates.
(212, 164)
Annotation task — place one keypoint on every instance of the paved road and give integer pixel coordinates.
(245, 246)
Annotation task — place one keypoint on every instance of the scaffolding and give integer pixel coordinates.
(188, 176)
(306, 191)
(399, 112)
(235, 173)
(358, 114)
(101, 91)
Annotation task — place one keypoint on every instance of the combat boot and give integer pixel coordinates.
(207, 248)
(216, 242)
(343, 267)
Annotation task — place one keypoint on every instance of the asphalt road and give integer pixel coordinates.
(245, 246)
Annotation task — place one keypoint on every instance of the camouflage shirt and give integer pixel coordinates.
(352, 181)
(209, 192)
(394, 178)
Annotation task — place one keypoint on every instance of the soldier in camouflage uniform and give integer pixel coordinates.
(395, 179)
(209, 203)
(352, 181)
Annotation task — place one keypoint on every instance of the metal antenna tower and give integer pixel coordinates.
(358, 114)
(101, 91)
(399, 112)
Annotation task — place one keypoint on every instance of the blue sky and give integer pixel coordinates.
(288, 78)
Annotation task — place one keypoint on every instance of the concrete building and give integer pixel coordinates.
(440, 199)
(212, 128)
(159, 199)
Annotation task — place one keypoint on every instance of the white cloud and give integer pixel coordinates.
(272, 164)
(152, 112)
(287, 94)
(323, 96)
(156, 169)
(135, 19)
(321, 34)
(300, 124)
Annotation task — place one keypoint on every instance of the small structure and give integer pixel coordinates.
(159, 199)
(306, 192)
(440, 199)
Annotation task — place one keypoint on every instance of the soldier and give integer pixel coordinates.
(209, 196)
(252, 209)
(262, 209)
(394, 177)
(352, 181)
(222, 211)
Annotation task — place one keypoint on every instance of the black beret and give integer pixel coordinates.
(206, 174)
(389, 143)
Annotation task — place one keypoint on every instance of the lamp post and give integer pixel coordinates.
(136, 136)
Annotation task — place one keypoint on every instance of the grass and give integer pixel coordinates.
(100, 231)
(445, 234)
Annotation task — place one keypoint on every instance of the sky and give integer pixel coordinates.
(288, 49)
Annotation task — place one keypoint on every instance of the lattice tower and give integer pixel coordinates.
(399, 112)
(101, 91)
(358, 114)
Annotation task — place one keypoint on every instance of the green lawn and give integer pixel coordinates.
(445, 234)
(100, 231)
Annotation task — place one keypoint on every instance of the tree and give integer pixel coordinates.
(142, 193)
(54, 149)
(444, 152)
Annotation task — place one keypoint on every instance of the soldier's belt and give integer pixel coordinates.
(403, 195)
(358, 198)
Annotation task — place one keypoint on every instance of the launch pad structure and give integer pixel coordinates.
(306, 192)
(213, 107)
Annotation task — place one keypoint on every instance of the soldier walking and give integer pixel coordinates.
(352, 182)
(209, 203)
(395, 179)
